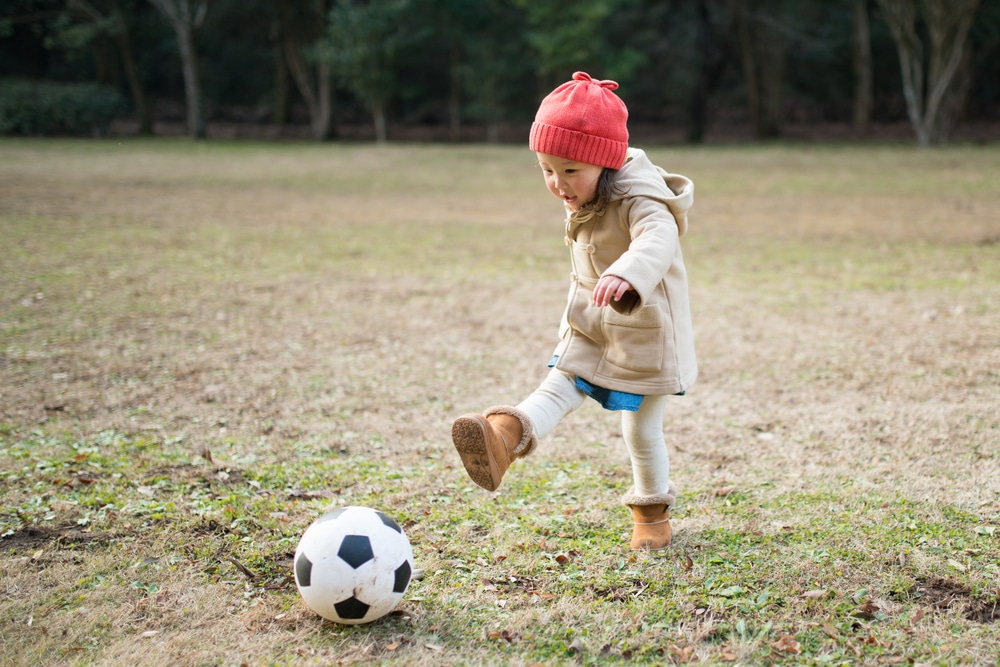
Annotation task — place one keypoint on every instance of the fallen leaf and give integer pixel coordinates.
(576, 646)
(149, 633)
(688, 563)
(724, 491)
(434, 647)
(206, 454)
(815, 594)
(831, 631)
(787, 644)
(682, 656)
(918, 616)
(955, 564)
(562, 559)
(867, 611)
(392, 647)
(892, 660)
(729, 656)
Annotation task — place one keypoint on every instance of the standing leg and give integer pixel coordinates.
(652, 495)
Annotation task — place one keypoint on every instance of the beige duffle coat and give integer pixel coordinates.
(643, 344)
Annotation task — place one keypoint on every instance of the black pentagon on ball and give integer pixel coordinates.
(402, 578)
(351, 609)
(356, 550)
(303, 570)
(387, 520)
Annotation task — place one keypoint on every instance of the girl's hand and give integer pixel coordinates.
(609, 287)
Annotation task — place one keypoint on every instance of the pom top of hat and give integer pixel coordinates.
(582, 120)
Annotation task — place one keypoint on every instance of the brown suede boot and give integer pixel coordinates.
(651, 527)
(650, 519)
(488, 443)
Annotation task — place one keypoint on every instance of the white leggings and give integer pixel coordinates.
(558, 396)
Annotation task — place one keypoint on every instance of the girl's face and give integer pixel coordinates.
(573, 182)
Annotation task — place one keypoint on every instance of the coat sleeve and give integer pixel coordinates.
(655, 241)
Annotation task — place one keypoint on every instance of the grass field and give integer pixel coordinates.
(205, 346)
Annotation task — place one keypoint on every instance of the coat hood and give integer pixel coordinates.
(639, 177)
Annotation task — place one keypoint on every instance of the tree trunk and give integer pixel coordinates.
(316, 88)
(185, 22)
(698, 109)
(953, 104)
(455, 95)
(711, 44)
(323, 128)
(142, 106)
(771, 58)
(749, 58)
(381, 130)
(862, 62)
(948, 23)
(123, 37)
(763, 50)
(104, 69)
(192, 83)
(279, 111)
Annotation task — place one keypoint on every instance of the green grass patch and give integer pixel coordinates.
(205, 346)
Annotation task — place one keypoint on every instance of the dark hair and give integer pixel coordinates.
(607, 190)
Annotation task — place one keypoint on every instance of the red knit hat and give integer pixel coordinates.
(582, 120)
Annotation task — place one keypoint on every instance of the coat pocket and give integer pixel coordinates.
(635, 342)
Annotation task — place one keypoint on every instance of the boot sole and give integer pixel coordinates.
(469, 435)
(650, 545)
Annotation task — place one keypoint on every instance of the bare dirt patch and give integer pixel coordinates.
(945, 594)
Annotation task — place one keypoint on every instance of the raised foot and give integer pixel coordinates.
(470, 434)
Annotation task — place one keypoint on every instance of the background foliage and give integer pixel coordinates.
(691, 65)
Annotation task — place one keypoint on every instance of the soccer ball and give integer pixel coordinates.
(353, 565)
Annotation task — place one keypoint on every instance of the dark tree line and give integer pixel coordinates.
(455, 63)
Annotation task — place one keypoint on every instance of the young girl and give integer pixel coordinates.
(625, 337)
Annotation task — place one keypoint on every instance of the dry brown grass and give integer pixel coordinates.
(262, 301)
